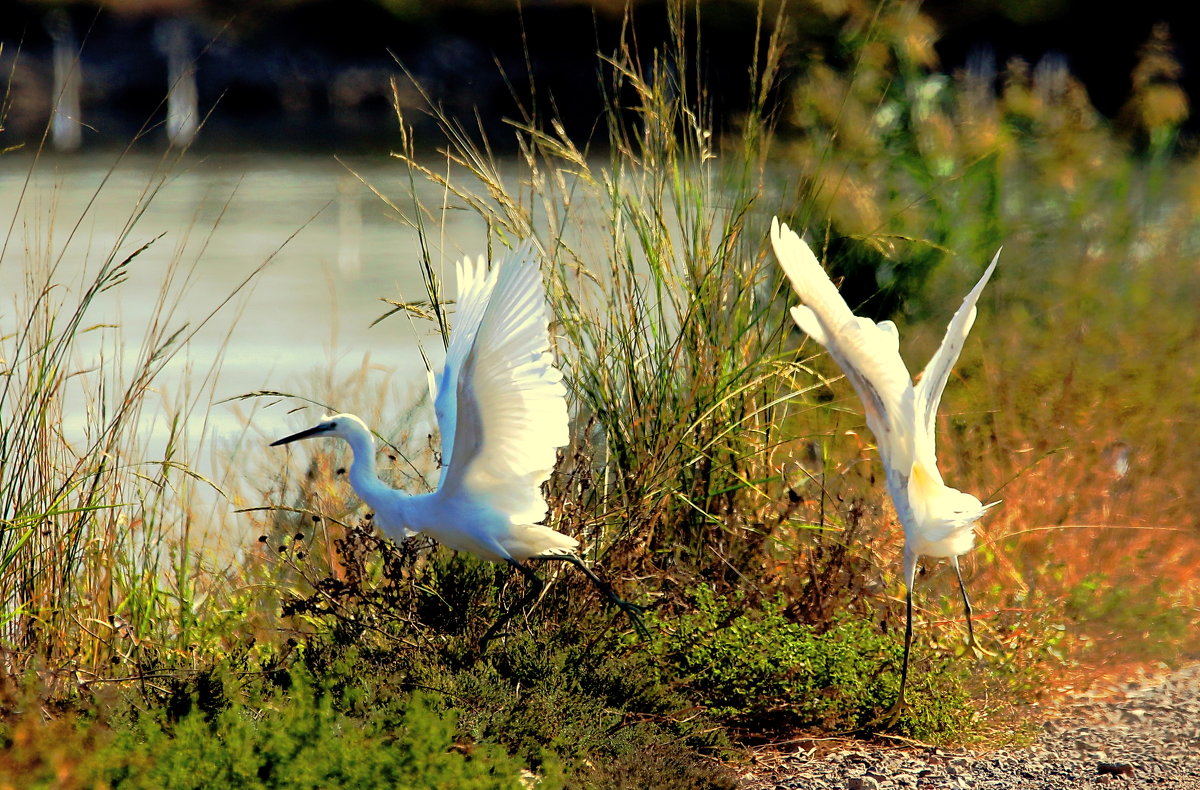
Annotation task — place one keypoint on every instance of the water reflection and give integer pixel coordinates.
(308, 313)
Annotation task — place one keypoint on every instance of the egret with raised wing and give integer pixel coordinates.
(501, 408)
(938, 520)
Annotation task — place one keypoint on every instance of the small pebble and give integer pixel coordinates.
(862, 783)
(1115, 769)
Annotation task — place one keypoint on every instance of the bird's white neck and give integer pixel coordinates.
(363, 477)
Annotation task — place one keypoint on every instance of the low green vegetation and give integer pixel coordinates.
(273, 739)
(756, 665)
(719, 473)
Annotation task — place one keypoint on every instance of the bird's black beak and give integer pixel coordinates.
(316, 430)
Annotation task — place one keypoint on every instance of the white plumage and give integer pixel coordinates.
(938, 520)
(501, 409)
(501, 406)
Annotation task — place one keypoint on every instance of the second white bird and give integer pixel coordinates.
(938, 520)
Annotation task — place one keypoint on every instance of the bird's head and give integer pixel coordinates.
(941, 507)
(344, 426)
(966, 509)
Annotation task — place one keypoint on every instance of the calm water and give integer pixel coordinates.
(307, 314)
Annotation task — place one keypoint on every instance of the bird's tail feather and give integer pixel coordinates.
(532, 540)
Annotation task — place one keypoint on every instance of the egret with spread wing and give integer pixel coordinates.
(501, 407)
(938, 520)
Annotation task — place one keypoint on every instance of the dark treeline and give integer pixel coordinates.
(1100, 43)
(311, 75)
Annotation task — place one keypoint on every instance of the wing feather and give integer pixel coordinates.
(868, 353)
(510, 400)
(475, 284)
(929, 389)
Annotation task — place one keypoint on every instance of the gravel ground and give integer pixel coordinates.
(1149, 738)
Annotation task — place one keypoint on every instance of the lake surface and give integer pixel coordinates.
(302, 323)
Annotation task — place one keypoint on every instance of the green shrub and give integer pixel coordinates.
(301, 740)
(762, 670)
(547, 690)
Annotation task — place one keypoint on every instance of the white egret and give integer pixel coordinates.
(938, 520)
(501, 407)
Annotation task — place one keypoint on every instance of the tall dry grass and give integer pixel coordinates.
(102, 551)
(666, 309)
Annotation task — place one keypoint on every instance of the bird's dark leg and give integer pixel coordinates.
(535, 588)
(899, 706)
(971, 643)
(910, 573)
(631, 610)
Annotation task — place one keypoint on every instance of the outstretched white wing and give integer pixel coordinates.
(510, 409)
(933, 380)
(475, 285)
(868, 353)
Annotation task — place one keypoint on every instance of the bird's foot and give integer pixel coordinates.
(495, 631)
(634, 612)
(487, 640)
(978, 650)
(893, 715)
